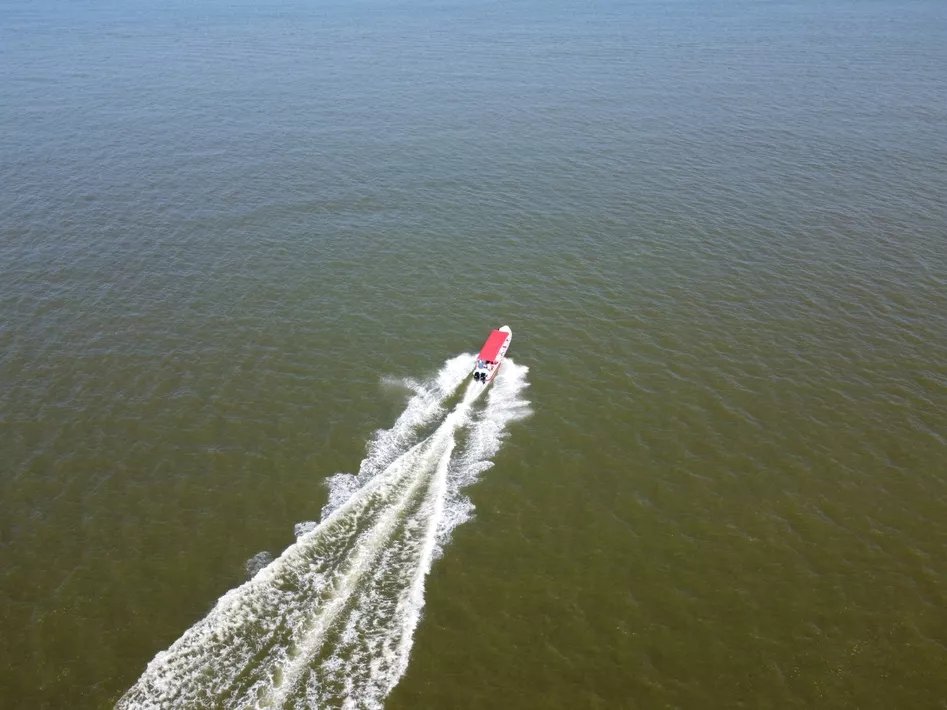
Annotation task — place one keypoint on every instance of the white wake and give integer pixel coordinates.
(330, 623)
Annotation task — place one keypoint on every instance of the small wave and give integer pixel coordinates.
(257, 562)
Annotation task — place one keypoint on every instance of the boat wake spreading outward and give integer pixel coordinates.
(330, 623)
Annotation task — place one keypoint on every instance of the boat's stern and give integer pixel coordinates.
(484, 371)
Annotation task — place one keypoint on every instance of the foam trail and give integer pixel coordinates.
(505, 404)
(388, 444)
(331, 622)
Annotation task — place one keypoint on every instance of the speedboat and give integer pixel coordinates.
(491, 354)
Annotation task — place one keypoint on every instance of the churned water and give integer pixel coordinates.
(244, 245)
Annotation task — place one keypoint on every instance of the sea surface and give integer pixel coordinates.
(248, 251)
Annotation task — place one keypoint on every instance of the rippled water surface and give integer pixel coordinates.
(242, 246)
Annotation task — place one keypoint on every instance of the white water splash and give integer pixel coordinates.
(257, 562)
(387, 444)
(331, 622)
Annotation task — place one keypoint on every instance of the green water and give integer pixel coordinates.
(229, 233)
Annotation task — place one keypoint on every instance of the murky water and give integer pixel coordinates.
(237, 241)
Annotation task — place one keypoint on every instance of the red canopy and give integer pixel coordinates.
(492, 347)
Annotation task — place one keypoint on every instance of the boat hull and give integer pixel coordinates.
(491, 355)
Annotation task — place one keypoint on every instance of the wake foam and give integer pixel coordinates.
(386, 445)
(330, 623)
(257, 562)
(505, 404)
